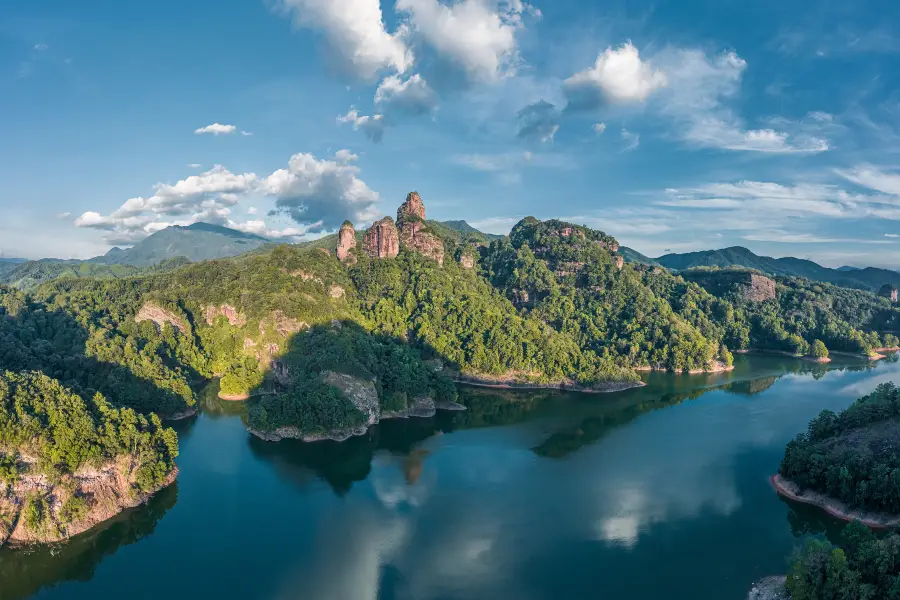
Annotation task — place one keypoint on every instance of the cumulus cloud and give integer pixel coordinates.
(345, 156)
(696, 99)
(479, 36)
(599, 128)
(356, 33)
(410, 97)
(372, 126)
(321, 193)
(538, 122)
(318, 194)
(619, 76)
(216, 129)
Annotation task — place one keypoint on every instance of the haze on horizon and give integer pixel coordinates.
(679, 126)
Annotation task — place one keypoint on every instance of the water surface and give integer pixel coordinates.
(659, 492)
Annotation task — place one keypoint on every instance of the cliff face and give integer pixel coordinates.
(160, 316)
(888, 291)
(382, 239)
(346, 242)
(759, 289)
(411, 225)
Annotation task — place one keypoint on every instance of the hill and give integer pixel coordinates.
(464, 227)
(197, 242)
(29, 275)
(633, 256)
(868, 278)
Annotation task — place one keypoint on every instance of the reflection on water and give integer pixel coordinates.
(24, 572)
(524, 495)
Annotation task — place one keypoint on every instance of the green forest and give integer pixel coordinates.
(551, 303)
(865, 567)
(852, 456)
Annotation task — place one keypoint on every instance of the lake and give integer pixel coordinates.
(655, 493)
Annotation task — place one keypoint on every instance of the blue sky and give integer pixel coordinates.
(678, 125)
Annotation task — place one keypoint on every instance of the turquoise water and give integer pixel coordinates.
(659, 492)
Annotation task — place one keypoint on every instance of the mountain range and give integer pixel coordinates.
(868, 278)
(174, 246)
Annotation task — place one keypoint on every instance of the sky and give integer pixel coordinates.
(674, 125)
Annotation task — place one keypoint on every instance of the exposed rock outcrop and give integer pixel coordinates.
(382, 239)
(360, 392)
(160, 316)
(759, 289)
(411, 226)
(413, 207)
(423, 407)
(105, 491)
(336, 291)
(888, 291)
(346, 242)
(769, 588)
(467, 262)
(620, 262)
(229, 312)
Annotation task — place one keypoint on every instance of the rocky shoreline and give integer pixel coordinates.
(422, 408)
(833, 507)
(107, 492)
(506, 384)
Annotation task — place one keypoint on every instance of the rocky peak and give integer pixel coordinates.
(382, 240)
(888, 291)
(411, 224)
(413, 207)
(346, 241)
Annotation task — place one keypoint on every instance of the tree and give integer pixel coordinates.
(818, 350)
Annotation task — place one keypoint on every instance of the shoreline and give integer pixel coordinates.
(112, 504)
(604, 388)
(835, 508)
(291, 432)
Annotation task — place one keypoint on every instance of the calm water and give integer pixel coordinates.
(657, 493)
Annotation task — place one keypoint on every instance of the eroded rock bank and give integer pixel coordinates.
(566, 386)
(38, 510)
(833, 507)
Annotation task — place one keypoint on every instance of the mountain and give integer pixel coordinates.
(633, 256)
(197, 242)
(8, 264)
(31, 274)
(464, 227)
(868, 278)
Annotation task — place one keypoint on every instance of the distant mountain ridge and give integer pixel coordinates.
(869, 278)
(197, 242)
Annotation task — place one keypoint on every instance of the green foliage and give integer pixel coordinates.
(35, 510)
(313, 406)
(40, 417)
(9, 469)
(851, 456)
(818, 349)
(866, 568)
(726, 356)
(74, 509)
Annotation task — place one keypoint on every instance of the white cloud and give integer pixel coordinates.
(321, 193)
(246, 133)
(216, 129)
(874, 179)
(538, 122)
(632, 140)
(477, 35)
(412, 97)
(345, 156)
(372, 126)
(318, 194)
(252, 210)
(63, 215)
(41, 47)
(698, 90)
(891, 235)
(356, 33)
(619, 76)
(195, 166)
(599, 128)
